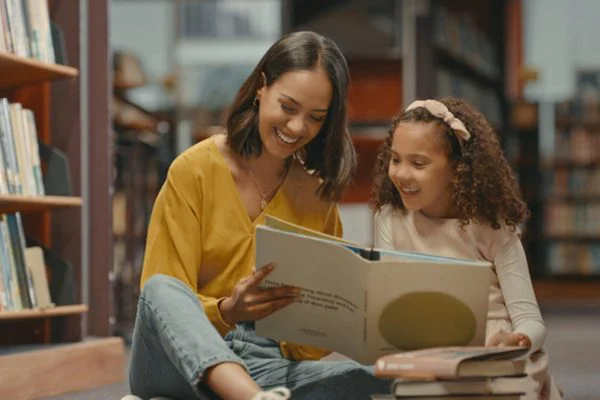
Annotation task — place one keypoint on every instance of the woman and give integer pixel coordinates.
(286, 152)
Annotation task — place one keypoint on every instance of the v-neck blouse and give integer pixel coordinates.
(200, 231)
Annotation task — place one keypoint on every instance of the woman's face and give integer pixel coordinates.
(292, 110)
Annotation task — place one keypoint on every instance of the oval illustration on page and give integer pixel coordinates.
(427, 319)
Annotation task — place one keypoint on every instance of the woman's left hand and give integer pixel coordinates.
(502, 338)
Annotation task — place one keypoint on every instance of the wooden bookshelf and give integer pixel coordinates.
(17, 71)
(44, 313)
(27, 204)
(41, 350)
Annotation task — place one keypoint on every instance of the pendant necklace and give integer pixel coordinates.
(263, 200)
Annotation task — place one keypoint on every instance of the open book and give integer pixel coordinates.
(364, 302)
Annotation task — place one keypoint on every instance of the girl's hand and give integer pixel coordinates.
(248, 302)
(502, 339)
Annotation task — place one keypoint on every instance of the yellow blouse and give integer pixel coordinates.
(201, 234)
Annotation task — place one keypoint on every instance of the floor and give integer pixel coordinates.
(573, 344)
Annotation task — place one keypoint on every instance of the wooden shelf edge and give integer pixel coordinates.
(50, 371)
(567, 289)
(19, 71)
(44, 313)
(15, 203)
(571, 237)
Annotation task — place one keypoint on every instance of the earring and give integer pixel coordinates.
(255, 103)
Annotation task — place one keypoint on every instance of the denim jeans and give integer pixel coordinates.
(174, 343)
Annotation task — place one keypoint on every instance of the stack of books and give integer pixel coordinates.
(453, 373)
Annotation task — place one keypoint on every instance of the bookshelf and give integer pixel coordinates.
(42, 347)
(571, 188)
(467, 56)
(562, 189)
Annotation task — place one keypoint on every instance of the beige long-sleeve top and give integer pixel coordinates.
(511, 293)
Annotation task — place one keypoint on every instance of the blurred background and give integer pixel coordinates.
(155, 77)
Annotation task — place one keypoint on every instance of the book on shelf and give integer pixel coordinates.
(20, 165)
(364, 302)
(23, 279)
(25, 29)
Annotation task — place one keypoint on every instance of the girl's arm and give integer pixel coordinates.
(517, 290)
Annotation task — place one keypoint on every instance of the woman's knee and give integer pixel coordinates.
(160, 287)
(157, 284)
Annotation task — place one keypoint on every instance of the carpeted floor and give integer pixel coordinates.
(573, 344)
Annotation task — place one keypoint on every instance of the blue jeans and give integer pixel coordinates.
(174, 343)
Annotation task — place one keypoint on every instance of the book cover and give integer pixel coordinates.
(364, 302)
(402, 388)
(453, 362)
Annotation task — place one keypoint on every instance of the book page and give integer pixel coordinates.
(330, 314)
(391, 255)
(286, 226)
(414, 305)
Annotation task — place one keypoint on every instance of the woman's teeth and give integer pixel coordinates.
(286, 139)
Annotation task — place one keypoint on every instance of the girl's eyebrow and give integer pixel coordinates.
(420, 155)
(290, 98)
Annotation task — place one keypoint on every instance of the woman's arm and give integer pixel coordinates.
(174, 244)
(517, 290)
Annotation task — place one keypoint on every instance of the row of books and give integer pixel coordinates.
(458, 33)
(23, 280)
(572, 219)
(25, 29)
(20, 165)
(580, 184)
(573, 258)
(484, 98)
(578, 145)
(456, 373)
(585, 105)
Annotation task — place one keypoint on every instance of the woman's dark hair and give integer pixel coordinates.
(484, 187)
(330, 154)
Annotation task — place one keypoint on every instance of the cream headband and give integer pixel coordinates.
(439, 110)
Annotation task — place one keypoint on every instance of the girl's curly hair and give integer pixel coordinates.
(484, 186)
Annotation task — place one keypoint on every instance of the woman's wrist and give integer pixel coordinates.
(226, 311)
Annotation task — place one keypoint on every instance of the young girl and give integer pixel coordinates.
(444, 187)
(285, 151)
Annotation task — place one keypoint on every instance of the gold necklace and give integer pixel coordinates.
(263, 200)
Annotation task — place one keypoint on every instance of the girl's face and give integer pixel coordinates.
(421, 170)
(292, 110)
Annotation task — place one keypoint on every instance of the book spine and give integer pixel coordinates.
(9, 290)
(19, 258)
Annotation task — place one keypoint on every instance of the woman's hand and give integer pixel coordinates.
(248, 302)
(502, 339)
